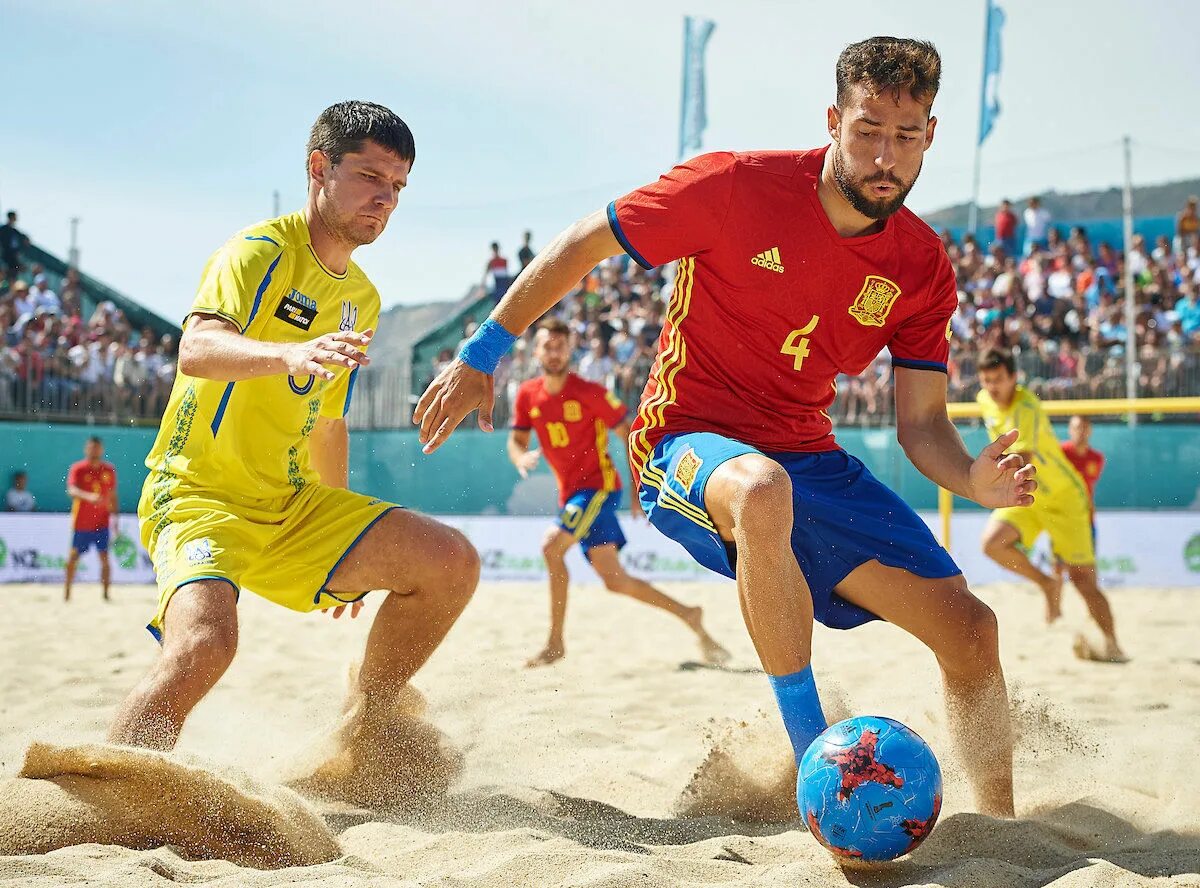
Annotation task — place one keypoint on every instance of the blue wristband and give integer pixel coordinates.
(800, 707)
(486, 347)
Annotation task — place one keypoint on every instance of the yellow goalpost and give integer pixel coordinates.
(1091, 407)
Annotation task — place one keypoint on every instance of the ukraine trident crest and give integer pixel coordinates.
(874, 301)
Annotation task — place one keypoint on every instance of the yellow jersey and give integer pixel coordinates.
(246, 442)
(1035, 435)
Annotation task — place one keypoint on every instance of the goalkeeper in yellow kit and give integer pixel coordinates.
(1062, 508)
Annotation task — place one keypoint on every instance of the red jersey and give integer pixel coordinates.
(94, 478)
(1088, 463)
(770, 303)
(1006, 224)
(572, 428)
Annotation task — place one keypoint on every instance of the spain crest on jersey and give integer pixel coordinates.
(874, 301)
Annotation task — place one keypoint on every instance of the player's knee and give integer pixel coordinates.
(979, 643)
(616, 582)
(204, 652)
(764, 497)
(994, 542)
(463, 564)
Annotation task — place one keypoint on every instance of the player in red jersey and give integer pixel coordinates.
(1089, 463)
(793, 267)
(572, 418)
(92, 487)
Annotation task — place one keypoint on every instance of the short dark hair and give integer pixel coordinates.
(997, 357)
(95, 440)
(555, 327)
(19, 474)
(890, 64)
(342, 128)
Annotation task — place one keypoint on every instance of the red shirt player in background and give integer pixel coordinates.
(572, 418)
(92, 486)
(796, 266)
(1088, 463)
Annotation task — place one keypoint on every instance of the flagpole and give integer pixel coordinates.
(973, 211)
(683, 99)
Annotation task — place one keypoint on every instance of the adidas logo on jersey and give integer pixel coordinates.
(769, 259)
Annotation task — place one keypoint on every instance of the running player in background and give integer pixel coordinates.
(248, 482)
(1062, 509)
(92, 487)
(1088, 463)
(796, 266)
(572, 418)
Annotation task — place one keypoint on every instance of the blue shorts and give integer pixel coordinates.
(82, 540)
(591, 517)
(843, 517)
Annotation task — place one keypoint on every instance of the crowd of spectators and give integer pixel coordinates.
(1054, 296)
(56, 360)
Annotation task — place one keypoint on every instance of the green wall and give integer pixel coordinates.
(1151, 466)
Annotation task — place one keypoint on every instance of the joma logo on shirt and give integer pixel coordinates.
(297, 309)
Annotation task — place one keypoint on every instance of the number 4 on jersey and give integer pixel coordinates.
(796, 343)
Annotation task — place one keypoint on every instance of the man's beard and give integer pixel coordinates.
(348, 228)
(872, 208)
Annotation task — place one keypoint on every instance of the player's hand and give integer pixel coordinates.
(1000, 479)
(336, 612)
(455, 392)
(528, 461)
(636, 510)
(341, 349)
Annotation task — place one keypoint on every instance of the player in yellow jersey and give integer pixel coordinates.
(1062, 508)
(248, 476)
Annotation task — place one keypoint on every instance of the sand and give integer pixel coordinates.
(626, 764)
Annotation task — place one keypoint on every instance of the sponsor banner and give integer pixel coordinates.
(1134, 549)
(34, 549)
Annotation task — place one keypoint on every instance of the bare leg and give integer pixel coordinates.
(1084, 578)
(199, 642)
(1001, 544)
(105, 573)
(962, 633)
(607, 563)
(72, 562)
(750, 501)
(431, 572)
(554, 550)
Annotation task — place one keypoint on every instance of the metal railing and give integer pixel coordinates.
(384, 397)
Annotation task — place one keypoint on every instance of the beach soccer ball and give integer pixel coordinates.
(869, 788)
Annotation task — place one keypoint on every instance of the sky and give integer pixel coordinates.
(167, 127)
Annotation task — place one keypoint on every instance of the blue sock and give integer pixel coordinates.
(800, 707)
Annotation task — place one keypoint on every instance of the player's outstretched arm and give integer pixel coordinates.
(994, 479)
(212, 348)
(466, 385)
(519, 454)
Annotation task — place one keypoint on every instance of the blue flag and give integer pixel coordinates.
(989, 101)
(692, 117)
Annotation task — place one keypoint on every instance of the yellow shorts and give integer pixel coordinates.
(1067, 519)
(282, 550)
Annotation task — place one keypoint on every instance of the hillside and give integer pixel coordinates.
(400, 325)
(1148, 200)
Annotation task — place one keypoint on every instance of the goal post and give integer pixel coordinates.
(1089, 407)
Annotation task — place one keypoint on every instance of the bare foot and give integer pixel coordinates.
(1052, 589)
(711, 652)
(1110, 652)
(551, 653)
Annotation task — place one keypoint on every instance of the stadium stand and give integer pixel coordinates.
(72, 348)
